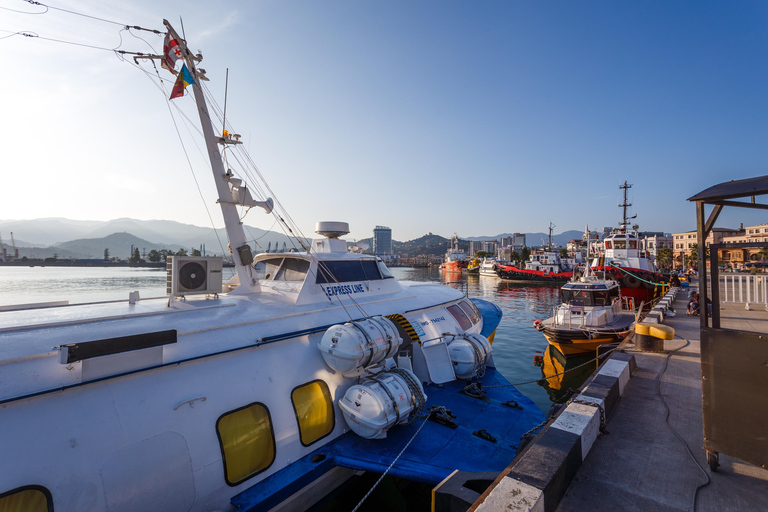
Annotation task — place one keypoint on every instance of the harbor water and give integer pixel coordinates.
(515, 346)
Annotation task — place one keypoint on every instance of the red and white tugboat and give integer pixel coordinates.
(623, 261)
(544, 266)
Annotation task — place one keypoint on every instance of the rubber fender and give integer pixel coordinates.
(630, 281)
(663, 332)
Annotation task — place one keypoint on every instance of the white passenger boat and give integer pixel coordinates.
(592, 313)
(488, 268)
(265, 392)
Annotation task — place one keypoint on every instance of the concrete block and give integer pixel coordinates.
(513, 495)
(618, 370)
(582, 420)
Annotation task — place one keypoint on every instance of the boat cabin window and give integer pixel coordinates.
(608, 244)
(282, 269)
(385, 273)
(346, 271)
(266, 269)
(313, 406)
(293, 269)
(30, 498)
(587, 297)
(470, 309)
(633, 244)
(247, 442)
(457, 313)
(619, 244)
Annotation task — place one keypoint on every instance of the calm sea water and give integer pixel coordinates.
(514, 348)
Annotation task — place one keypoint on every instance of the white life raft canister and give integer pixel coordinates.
(356, 345)
(469, 353)
(381, 402)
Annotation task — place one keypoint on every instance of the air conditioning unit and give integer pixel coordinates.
(187, 275)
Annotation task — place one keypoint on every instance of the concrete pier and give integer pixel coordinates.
(641, 464)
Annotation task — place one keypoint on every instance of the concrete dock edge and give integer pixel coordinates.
(539, 477)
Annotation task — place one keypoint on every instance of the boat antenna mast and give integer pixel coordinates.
(624, 205)
(549, 240)
(241, 251)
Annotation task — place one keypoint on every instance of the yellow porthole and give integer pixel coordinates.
(314, 411)
(247, 442)
(31, 498)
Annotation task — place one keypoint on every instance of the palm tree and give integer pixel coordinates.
(525, 253)
(693, 257)
(664, 257)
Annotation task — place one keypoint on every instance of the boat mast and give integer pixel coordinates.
(624, 206)
(549, 242)
(238, 244)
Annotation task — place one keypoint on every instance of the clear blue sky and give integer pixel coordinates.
(446, 116)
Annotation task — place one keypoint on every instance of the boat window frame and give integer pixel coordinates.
(271, 275)
(384, 269)
(330, 406)
(281, 271)
(467, 324)
(473, 314)
(221, 443)
(32, 487)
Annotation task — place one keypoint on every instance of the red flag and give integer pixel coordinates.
(171, 53)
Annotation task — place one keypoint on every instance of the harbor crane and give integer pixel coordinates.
(13, 245)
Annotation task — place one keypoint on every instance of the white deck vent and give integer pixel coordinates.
(188, 275)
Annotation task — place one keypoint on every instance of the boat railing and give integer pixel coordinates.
(628, 304)
(744, 289)
(575, 316)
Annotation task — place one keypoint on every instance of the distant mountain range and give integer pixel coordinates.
(65, 238)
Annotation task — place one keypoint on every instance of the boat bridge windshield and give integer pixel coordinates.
(352, 270)
(619, 243)
(589, 295)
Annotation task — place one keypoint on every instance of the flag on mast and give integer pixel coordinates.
(182, 81)
(171, 53)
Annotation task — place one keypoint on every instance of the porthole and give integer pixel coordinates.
(30, 498)
(247, 442)
(313, 406)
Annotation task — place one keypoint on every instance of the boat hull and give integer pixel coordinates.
(512, 273)
(579, 341)
(453, 266)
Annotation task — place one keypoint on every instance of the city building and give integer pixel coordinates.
(651, 243)
(741, 258)
(683, 242)
(476, 246)
(382, 242)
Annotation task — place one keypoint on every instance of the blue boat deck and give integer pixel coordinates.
(435, 453)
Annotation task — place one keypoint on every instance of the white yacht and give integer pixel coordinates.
(266, 392)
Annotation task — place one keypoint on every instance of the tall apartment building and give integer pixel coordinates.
(382, 242)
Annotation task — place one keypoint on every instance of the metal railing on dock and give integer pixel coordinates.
(747, 289)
